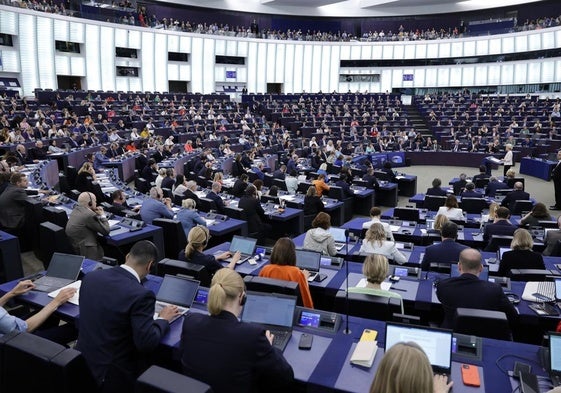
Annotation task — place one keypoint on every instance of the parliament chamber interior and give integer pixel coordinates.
(377, 183)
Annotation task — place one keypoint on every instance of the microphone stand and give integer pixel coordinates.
(347, 330)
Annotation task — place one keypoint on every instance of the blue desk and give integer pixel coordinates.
(11, 257)
(537, 167)
(125, 167)
(122, 238)
(386, 195)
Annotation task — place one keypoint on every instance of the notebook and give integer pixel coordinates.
(274, 311)
(63, 270)
(555, 358)
(176, 291)
(245, 245)
(339, 237)
(436, 343)
(455, 272)
(310, 261)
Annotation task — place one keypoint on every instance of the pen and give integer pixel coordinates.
(399, 289)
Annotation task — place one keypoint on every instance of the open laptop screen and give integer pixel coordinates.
(455, 272)
(436, 343)
(269, 309)
(65, 266)
(308, 260)
(502, 250)
(558, 289)
(245, 245)
(177, 290)
(555, 351)
(338, 234)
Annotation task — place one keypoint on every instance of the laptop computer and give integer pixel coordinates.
(455, 272)
(339, 237)
(310, 261)
(501, 251)
(555, 358)
(176, 291)
(63, 270)
(274, 311)
(245, 245)
(436, 343)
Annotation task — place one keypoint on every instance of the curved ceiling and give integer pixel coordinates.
(352, 8)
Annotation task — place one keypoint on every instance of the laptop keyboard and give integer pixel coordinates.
(280, 338)
(159, 306)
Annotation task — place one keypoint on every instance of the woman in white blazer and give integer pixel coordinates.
(451, 209)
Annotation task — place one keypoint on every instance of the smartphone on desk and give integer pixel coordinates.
(470, 375)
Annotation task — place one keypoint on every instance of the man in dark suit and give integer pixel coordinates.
(517, 194)
(150, 171)
(501, 226)
(447, 251)
(117, 327)
(370, 179)
(460, 184)
(482, 173)
(280, 173)
(468, 291)
(12, 204)
(435, 189)
(493, 186)
(342, 183)
(38, 153)
(240, 185)
(470, 192)
(254, 213)
(551, 238)
(213, 196)
(556, 177)
(22, 156)
(190, 192)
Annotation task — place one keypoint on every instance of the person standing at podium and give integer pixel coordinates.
(508, 159)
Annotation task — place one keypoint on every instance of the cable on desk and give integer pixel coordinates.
(514, 356)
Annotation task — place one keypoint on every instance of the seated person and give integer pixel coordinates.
(120, 203)
(342, 182)
(439, 221)
(229, 355)
(493, 186)
(191, 186)
(312, 203)
(418, 373)
(370, 179)
(436, 190)
(521, 256)
(551, 238)
(282, 266)
(451, 209)
(9, 323)
(517, 194)
(375, 270)
(501, 226)
(318, 238)
(156, 206)
(217, 199)
(320, 185)
(255, 215)
(447, 251)
(482, 173)
(197, 240)
(150, 171)
(240, 185)
(375, 243)
(291, 181)
(375, 215)
(468, 291)
(538, 213)
(469, 192)
(389, 172)
(491, 215)
(459, 186)
(188, 216)
(323, 171)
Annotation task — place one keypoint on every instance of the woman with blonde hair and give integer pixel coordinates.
(225, 353)
(451, 209)
(375, 243)
(521, 256)
(375, 270)
(188, 216)
(197, 240)
(406, 368)
(219, 177)
(492, 215)
(439, 221)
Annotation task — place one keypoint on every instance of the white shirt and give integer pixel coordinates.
(131, 271)
(388, 249)
(453, 213)
(507, 160)
(368, 224)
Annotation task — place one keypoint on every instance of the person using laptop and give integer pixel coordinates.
(521, 256)
(282, 266)
(117, 326)
(375, 216)
(468, 291)
(229, 355)
(375, 243)
(10, 323)
(318, 237)
(255, 215)
(197, 240)
(391, 375)
(85, 222)
(501, 226)
(447, 251)
(551, 238)
(375, 270)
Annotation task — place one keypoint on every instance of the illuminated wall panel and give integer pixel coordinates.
(107, 58)
(147, 55)
(161, 62)
(28, 53)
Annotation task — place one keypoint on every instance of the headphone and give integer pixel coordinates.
(90, 203)
(513, 298)
(243, 299)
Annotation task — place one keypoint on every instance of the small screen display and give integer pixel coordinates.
(202, 296)
(309, 319)
(400, 271)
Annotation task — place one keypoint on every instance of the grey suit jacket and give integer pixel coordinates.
(12, 206)
(82, 228)
(550, 241)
